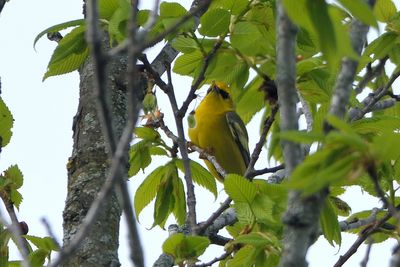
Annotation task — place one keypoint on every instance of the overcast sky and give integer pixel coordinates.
(42, 136)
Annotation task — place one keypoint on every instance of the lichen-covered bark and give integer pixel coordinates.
(87, 170)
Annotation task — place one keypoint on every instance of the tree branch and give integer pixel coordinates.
(364, 235)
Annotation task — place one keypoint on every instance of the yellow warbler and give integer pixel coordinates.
(218, 129)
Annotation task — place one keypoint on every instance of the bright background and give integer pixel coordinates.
(42, 135)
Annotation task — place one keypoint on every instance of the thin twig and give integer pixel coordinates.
(15, 229)
(193, 12)
(260, 144)
(50, 231)
(376, 97)
(192, 93)
(191, 197)
(371, 74)
(266, 170)
(365, 260)
(364, 235)
(217, 259)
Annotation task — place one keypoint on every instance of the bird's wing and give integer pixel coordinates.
(239, 133)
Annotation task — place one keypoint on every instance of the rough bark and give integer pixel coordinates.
(87, 170)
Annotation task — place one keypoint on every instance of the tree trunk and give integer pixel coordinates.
(88, 168)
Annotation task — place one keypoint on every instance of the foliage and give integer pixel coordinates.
(223, 48)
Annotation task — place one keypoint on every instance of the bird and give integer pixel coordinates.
(218, 129)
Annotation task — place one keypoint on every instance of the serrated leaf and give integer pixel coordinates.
(69, 54)
(171, 10)
(139, 157)
(239, 188)
(148, 189)
(214, 22)
(16, 198)
(165, 201)
(6, 124)
(225, 66)
(184, 44)
(381, 46)
(157, 151)
(329, 223)
(107, 8)
(200, 176)
(384, 10)
(245, 31)
(179, 200)
(245, 257)
(117, 26)
(183, 247)
(262, 208)
(147, 133)
(46, 243)
(361, 10)
(186, 64)
(59, 27)
(14, 174)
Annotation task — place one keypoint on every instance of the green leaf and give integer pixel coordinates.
(157, 151)
(215, 22)
(139, 157)
(16, 198)
(257, 240)
(45, 243)
(262, 208)
(341, 207)
(117, 26)
(183, 247)
(381, 45)
(302, 136)
(321, 20)
(59, 27)
(6, 123)
(14, 174)
(251, 101)
(387, 146)
(147, 133)
(329, 223)
(148, 189)
(38, 257)
(165, 201)
(297, 11)
(107, 8)
(200, 176)
(225, 66)
(171, 10)
(361, 10)
(179, 200)
(239, 188)
(244, 257)
(384, 10)
(184, 44)
(186, 64)
(245, 31)
(69, 54)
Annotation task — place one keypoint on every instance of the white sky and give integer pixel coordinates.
(42, 136)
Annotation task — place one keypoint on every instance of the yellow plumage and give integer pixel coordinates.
(219, 130)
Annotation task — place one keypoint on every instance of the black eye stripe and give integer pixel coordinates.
(223, 93)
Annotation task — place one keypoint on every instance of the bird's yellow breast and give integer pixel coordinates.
(212, 133)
